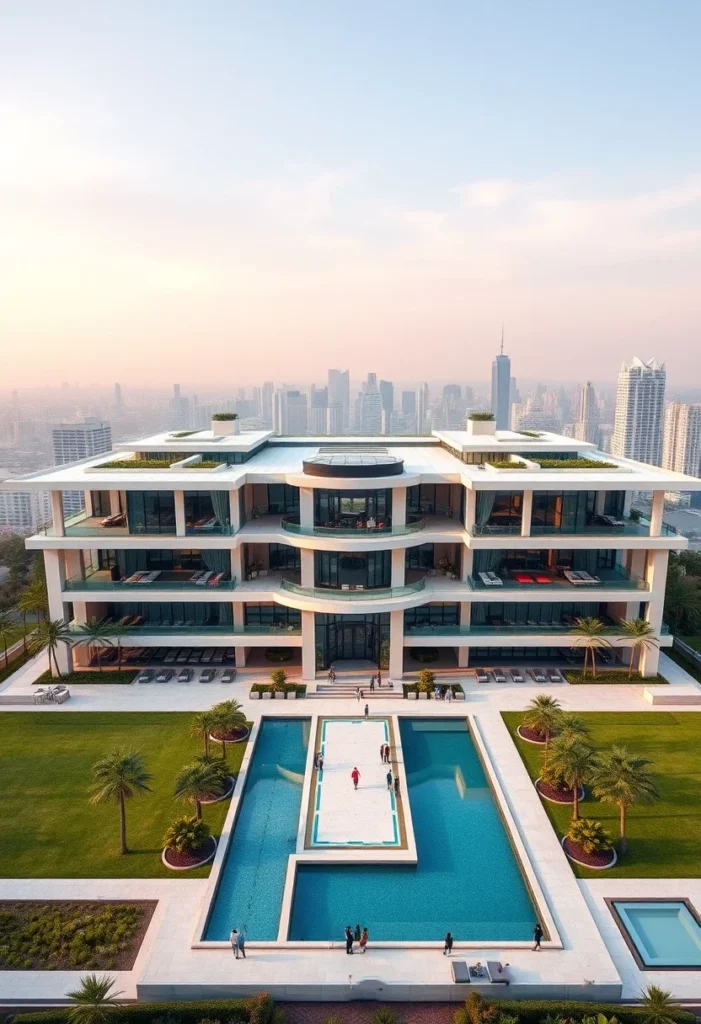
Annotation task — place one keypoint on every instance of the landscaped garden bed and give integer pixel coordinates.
(256, 1010)
(555, 794)
(531, 735)
(299, 689)
(598, 860)
(443, 688)
(110, 677)
(609, 676)
(67, 936)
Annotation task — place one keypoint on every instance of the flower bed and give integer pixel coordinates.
(555, 795)
(67, 936)
(599, 859)
(530, 735)
(608, 676)
(186, 859)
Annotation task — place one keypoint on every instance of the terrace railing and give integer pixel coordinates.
(334, 594)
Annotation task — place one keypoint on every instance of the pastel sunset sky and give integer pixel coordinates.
(264, 189)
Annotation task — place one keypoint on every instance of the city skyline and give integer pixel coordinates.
(284, 223)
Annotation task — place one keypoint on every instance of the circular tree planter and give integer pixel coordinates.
(224, 796)
(176, 861)
(556, 796)
(530, 736)
(231, 737)
(599, 861)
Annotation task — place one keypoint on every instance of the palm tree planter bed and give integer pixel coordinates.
(214, 799)
(234, 736)
(599, 860)
(187, 859)
(530, 735)
(554, 795)
(610, 676)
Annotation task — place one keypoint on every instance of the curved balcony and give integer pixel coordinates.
(331, 594)
(413, 525)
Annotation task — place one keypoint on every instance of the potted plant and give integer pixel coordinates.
(279, 680)
(479, 423)
(224, 424)
(254, 568)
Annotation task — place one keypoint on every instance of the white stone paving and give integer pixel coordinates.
(366, 816)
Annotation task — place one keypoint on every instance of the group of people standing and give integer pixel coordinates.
(357, 936)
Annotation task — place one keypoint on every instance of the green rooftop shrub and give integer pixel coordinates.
(204, 464)
(224, 417)
(481, 417)
(575, 464)
(507, 464)
(164, 463)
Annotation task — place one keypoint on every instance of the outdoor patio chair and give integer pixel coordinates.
(516, 676)
(460, 972)
(499, 676)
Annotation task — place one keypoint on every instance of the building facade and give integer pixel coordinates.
(24, 511)
(368, 549)
(501, 390)
(587, 426)
(637, 432)
(73, 441)
(682, 438)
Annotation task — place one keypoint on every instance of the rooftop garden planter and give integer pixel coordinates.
(209, 464)
(135, 464)
(225, 424)
(530, 433)
(506, 464)
(481, 424)
(575, 464)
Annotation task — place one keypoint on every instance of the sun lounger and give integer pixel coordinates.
(499, 974)
(538, 675)
(460, 972)
(499, 676)
(516, 676)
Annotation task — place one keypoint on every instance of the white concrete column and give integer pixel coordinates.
(234, 511)
(55, 579)
(636, 563)
(306, 507)
(237, 563)
(57, 513)
(179, 513)
(465, 613)
(463, 654)
(240, 656)
(87, 498)
(526, 513)
(399, 506)
(398, 560)
(115, 503)
(74, 562)
(239, 649)
(308, 647)
(396, 645)
(307, 567)
(656, 575)
(470, 508)
(599, 502)
(468, 558)
(656, 513)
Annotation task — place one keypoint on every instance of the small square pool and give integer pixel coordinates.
(661, 934)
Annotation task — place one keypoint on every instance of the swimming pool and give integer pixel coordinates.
(660, 933)
(467, 878)
(252, 880)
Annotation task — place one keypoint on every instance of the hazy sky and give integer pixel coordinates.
(214, 191)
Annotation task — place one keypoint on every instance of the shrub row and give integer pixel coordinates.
(534, 1011)
(259, 1010)
(575, 464)
(164, 463)
(299, 688)
(123, 678)
(573, 675)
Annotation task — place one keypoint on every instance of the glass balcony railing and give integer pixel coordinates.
(179, 627)
(413, 525)
(495, 530)
(138, 582)
(545, 580)
(601, 526)
(332, 594)
(509, 629)
(208, 528)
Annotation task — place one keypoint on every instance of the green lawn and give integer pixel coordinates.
(665, 837)
(50, 829)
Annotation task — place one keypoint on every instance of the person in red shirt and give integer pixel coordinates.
(355, 775)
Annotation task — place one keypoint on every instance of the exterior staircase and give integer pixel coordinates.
(342, 689)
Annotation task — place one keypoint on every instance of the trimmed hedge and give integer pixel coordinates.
(575, 464)
(107, 676)
(164, 463)
(299, 688)
(259, 1010)
(534, 1011)
(577, 677)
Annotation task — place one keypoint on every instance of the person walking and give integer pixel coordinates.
(389, 779)
(234, 940)
(357, 694)
(387, 752)
(320, 763)
(349, 939)
(396, 785)
(367, 712)
(448, 944)
(355, 775)
(372, 684)
(364, 941)
(382, 753)
(241, 943)
(357, 933)
(537, 936)
(379, 678)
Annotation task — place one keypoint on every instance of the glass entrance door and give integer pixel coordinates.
(352, 641)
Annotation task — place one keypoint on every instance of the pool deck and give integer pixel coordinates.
(593, 961)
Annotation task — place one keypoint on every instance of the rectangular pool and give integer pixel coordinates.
(252, 879)
(661, 934)
(467, 878)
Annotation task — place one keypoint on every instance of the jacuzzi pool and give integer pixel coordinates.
(661, 934)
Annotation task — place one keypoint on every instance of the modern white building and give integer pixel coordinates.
(587, 426)
(637, 432)
(682, 438)
(365, 549)
(73, 441)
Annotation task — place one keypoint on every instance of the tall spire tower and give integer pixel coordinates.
(501, 388)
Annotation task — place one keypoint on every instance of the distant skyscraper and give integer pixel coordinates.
(318, 410)
(501, 389)
(422, 409)
(387, 393)
(587, 425)
(408, 403)
(75, 441)
(682, 439)
(118, 398)
(266, 400)
(334, 419)
(637, 431)
(370, 407)
(290, 412)
(339, 393)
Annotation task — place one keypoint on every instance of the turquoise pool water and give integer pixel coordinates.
(467, 879)
(665, 934)
(252, 878)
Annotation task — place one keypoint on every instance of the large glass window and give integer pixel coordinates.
(422, 556)
(352, 508)
(362, 569)
(265, 616)
(432, 615)
(127, 562)
(206, 512)
(151, 511)
(535, 613)
(275, 499)
(176, 614)
(101, 505)
(282, 556)
(498, 511)
(505, 562)
(562, 511)
(352, 637)
(429, 499)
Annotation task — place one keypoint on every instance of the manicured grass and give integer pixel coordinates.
(692, 641)
(50, 829)
(122, 678)
(664, 837)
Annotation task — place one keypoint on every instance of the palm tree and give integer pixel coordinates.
(572, 759)
(35, 596)
(49, 634)
(589, 633)
(119, 777)
(93, 634)
(202, 725)
(8, 629)
(117, 631)
(621, 778)
(643, 639)
(95, 1001)
(228, 718)
(657, 1004)
(542, 716)
(569, 723)
(196, 782)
